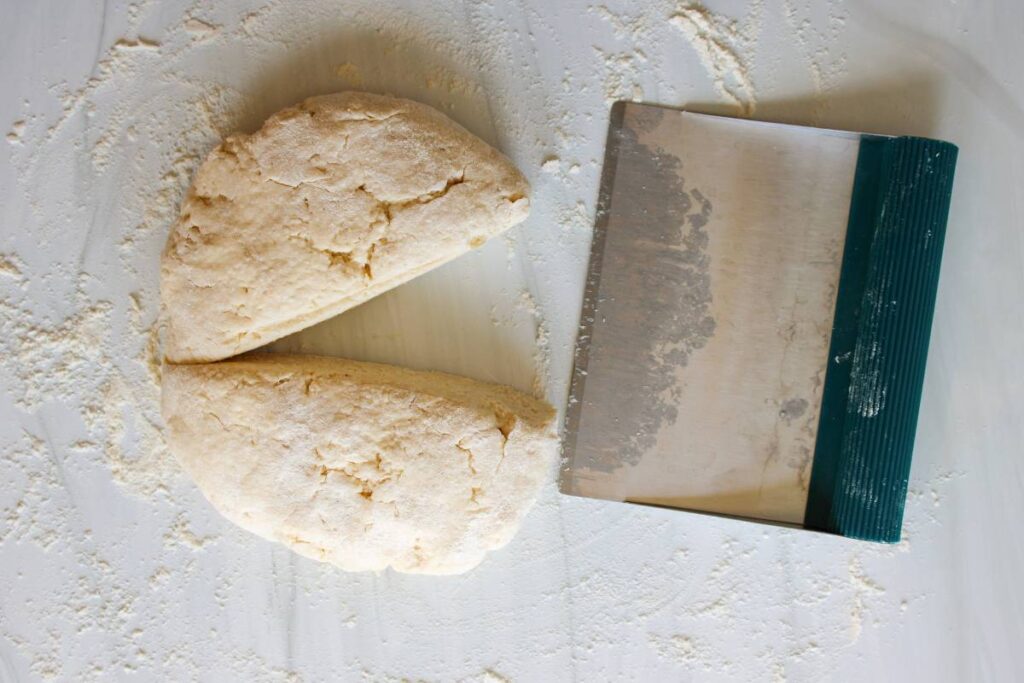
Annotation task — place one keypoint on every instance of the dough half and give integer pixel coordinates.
(362, 465)
(330, 203)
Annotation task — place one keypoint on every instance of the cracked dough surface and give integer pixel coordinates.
(362, 465)
(329, 204)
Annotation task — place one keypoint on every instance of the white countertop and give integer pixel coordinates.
(112, 566)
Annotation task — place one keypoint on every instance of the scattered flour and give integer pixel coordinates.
(816, 41)
(488, 676)
(17, 130)
(680, 649)
(543, 339)
(199, 29)
(623, 69)
(11, 266)
(136, 44)
(863, 586)
(575, 218)
(181, 534)
(722, 48)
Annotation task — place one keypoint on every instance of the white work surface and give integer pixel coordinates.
(113, 566)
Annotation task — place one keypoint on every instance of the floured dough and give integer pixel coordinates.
(331, 203)
(363, 465)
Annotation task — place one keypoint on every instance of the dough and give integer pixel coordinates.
(362, 465)
(331, 203)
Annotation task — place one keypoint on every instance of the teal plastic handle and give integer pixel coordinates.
(879, 344)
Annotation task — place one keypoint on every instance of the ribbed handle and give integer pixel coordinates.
(880, 337)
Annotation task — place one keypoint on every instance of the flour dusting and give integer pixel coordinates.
(816, 41)
(623, 67)
(722, 48)
(11, 266)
